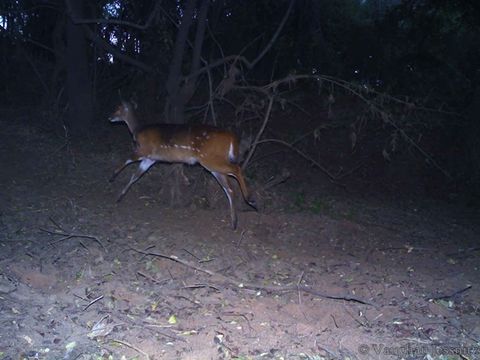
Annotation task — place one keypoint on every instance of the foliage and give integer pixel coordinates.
(431, 48)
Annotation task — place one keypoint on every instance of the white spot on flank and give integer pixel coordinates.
(204, 133)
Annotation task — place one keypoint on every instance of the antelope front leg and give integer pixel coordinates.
(142, 169)
(225, 184)
(120, 169)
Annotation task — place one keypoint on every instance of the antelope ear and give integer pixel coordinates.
(134, 103)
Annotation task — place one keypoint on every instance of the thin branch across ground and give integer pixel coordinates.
(67, 236)
(232, 282)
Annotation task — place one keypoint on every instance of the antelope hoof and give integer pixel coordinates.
(253, 204)
(234, 223)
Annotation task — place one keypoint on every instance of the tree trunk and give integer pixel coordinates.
(79, 83)
(174, 107)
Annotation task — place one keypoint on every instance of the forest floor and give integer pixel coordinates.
(343, 277)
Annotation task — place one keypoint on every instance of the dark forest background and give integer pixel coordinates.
(378, 89)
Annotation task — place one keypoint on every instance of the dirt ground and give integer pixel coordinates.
(341, 277)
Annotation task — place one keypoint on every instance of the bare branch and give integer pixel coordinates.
(34, 42)
(145, 26)
(259, 133)
(270, 88)
(102, 43)
(243, 59)
(275, 36)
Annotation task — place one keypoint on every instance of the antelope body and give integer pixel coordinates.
(215, 149)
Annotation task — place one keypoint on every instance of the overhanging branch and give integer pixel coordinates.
(102, 43)
(243, 59)
(145, 26)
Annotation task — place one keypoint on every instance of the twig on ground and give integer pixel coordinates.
(159, 282)
(240, 238)
(121, 342)
(356, 320)
(56, 224)
(231, 313)
(200, 286)
(191, 254)
(460, 330)
(334, 321)
(464, 251)
(174, 258)
(80, 297)
(226, 280)
(93, 302)
(406, 247)
(298, 286)
(446, 297)
(67, 236)
(164, 333)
